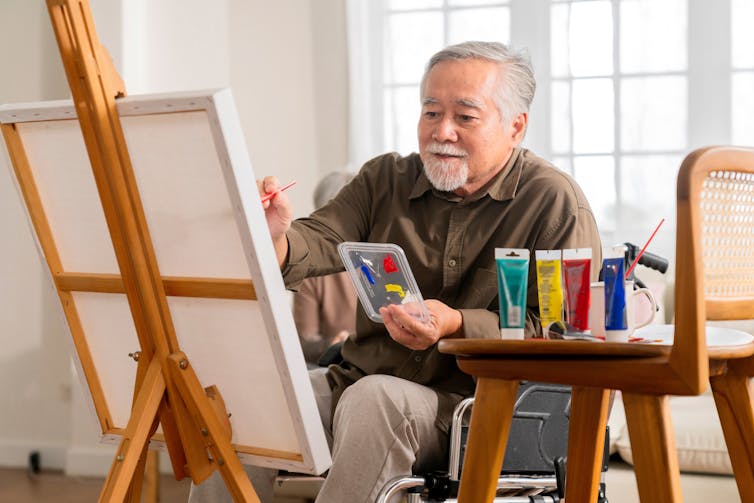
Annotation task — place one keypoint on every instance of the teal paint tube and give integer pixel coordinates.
(512, 282)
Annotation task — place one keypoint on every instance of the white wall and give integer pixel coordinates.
(286, 64)
(34, 376)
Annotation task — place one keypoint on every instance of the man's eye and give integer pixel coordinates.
(467, 118)
(430, 115)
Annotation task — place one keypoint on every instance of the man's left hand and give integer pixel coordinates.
(409, 331)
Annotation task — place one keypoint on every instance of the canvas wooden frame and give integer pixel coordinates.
(260, 289)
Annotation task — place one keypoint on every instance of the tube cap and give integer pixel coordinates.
(512, 333)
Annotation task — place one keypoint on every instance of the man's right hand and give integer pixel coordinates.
(279, 214)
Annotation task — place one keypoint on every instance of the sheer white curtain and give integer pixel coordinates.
(742, 60)
(364, 67)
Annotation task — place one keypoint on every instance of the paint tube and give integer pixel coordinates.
(615, 290)
(576, 276)
(549, 286)
(512, 282)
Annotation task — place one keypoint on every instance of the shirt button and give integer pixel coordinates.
(452, 262)
(417, 359)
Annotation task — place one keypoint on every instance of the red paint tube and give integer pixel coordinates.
(576, 280)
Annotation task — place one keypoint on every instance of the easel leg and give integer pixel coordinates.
(177, 455)
(134, 489)
(137, 482)
(184, 378)
(146, 475)
(136, 436)
(152, 478)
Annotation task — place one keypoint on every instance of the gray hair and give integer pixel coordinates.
(517, 80)
(329, 186)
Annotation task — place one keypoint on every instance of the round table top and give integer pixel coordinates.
(716, 336)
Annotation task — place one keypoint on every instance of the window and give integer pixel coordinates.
(626, 88)
(619, 88)
(390, 42)
(742, 79)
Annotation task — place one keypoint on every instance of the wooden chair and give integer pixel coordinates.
(715, 280)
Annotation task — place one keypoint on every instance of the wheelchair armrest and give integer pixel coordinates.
(331, 356)
(456, 428)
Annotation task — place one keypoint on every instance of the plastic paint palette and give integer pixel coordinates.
(382, 276)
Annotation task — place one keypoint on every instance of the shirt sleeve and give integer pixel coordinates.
(306, 312)
(294, 270)
(480, 323)
(312, 241)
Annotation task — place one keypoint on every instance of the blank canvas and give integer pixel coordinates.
(207, 225)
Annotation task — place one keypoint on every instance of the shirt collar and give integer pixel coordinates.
(502, 187)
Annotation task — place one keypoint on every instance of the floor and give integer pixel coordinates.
(20, 486)
(696, 488)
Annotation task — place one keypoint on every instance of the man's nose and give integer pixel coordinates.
(445, 131)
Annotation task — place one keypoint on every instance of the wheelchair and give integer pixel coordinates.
(533, 469)
(534, 465)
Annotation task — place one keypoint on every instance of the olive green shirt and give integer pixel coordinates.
(450, 243)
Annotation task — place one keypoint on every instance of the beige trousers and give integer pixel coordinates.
(383, 427)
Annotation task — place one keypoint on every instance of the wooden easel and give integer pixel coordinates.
(167, 391)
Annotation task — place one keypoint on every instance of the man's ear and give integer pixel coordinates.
(518, 127)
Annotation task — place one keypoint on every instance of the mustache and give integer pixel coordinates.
(446, 149)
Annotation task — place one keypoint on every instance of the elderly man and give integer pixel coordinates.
(471, 189)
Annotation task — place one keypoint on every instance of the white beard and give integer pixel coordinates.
(446, 176)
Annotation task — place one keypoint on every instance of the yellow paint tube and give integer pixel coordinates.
(549, 286)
